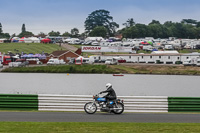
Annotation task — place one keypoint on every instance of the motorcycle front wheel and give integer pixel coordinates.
(90, 108)
(118, 108)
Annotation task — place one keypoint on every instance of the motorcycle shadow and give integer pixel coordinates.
(107, 113)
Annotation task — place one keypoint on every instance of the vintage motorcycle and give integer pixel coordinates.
(114, 106)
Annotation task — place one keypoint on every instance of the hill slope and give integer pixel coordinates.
(29, 48)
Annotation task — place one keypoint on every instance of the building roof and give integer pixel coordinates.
(61, 52)
(142, 54)
(165, 52)
(160, 54)
(58, 53)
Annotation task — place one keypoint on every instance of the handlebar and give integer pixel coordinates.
(97, 94)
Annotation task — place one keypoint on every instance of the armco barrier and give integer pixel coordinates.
(48, 102)
(18, 102)
(184, 104)
(77, 102)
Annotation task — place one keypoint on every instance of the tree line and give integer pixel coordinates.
(25, 33)
(100, 23)
(187, 28)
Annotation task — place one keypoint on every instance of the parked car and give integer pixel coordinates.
(23, 64)
(122, 61)
(102, 61)
(19, 63)
(46, 40)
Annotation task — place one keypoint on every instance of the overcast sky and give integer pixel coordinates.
(63, 15)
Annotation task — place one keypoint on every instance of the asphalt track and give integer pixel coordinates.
(99, 117)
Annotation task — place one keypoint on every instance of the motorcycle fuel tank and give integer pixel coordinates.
(101, 99)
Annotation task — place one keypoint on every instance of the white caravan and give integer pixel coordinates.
(190, 62)
(82, 60)
(198, 62)
(113, 60)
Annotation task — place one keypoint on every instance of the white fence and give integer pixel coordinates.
(48, 102)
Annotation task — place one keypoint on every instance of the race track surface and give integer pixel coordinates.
(99, 117)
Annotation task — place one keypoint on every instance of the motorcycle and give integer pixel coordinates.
(114, 106)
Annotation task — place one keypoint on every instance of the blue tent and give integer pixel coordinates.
(154, 49)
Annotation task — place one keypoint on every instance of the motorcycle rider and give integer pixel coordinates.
(111, 94)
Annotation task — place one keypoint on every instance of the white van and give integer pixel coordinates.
(14, 64)
(198, 62)
(169, 47)
(55, 62)
(111, 61)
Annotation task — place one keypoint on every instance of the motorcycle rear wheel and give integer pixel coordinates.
(120, 110)
(90, 108)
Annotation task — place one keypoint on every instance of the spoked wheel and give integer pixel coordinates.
(118, 108)
(90, 108)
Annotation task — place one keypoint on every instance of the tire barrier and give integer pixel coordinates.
(18, 102)
(184, 104)
(49, 102)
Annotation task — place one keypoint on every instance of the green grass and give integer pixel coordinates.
(109, 69)
(64, 69)
(78, 45)
(28, 47)
(94, 127)
(188, 50)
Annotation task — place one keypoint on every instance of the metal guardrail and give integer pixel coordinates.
(77, 102)
(49, 102)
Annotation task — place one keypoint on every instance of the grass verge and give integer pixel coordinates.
(64, 69)
(110, 69)
(89, 127)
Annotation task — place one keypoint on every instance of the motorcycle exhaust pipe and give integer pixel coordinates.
(115, 108)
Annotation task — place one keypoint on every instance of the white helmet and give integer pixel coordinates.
(108, 85)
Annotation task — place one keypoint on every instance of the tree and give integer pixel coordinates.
(74, 32)
(198, 24)
(83, 35)
(100, 18)
(25, 34)
(130, 22)
(99, 31)
(13, 35)
(187, 28)
(130, 32)
(1, 31)
(154, 22)
(23, 28)
(52, 33)
(189, 21)
(155, 30)
(41, 34)
(142, 30)
(112, 28)
(66, 34)
(168, 23)
(6, 35)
